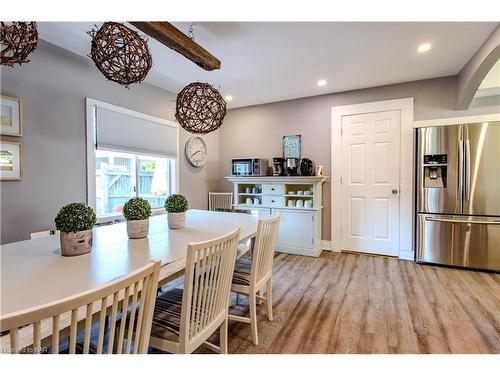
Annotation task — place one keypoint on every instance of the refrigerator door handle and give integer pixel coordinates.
(460, 169)
(467, 170)
(485, 222)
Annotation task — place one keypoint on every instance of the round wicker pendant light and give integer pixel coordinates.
(120, 53)
(17, 41)
(200, 108)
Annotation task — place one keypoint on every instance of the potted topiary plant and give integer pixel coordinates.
(176, 206)
(137, 212)
(75, 221)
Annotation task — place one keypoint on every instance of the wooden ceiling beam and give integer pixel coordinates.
(169, 35)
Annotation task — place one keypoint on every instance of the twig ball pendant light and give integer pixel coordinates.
(200, 108)
(17, 41)
(120, 53)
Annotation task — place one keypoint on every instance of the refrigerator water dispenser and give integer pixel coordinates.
(435, 170)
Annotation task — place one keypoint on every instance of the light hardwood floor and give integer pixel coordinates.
(350, 303)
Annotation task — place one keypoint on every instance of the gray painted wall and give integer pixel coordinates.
(54, 86)
(258, 130)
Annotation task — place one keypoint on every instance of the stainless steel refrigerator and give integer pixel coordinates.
(458, 195)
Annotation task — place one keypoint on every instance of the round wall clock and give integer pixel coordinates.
(196, 152)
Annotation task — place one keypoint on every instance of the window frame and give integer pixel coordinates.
(91, 143)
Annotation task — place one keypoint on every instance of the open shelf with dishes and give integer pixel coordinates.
(299, 189)
(298, 201)
(248, 200)
(299, 196)
(249, 188)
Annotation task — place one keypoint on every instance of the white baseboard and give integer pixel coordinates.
(297, 251)
(403, 254)
(326, 245)
(406, 255)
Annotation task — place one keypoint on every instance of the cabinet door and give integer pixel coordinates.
(296, 229)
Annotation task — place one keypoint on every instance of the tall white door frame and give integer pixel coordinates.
(404, 105)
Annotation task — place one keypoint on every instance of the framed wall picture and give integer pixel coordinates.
(292, 146)
(11, 116)
(11, 160)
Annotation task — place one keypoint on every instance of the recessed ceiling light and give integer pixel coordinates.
(322, 82)
(424, 47)
(229, 98)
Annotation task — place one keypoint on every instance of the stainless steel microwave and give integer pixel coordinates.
(249, 167)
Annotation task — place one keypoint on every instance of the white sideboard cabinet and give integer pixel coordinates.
(300, 228)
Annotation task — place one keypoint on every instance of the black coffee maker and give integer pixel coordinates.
(307, 167)
(278, 166)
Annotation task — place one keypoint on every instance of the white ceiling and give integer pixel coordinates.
(268, 62)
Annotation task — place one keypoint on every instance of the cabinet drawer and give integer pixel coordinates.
(273, 189)
(272, 201)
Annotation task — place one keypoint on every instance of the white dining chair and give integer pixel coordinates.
(136, 290)
(184, 319)
(220, 201)
(251, 276)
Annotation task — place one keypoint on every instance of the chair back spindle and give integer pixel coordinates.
(82, 312)
(220, 201)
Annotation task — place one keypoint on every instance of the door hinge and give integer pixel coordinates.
(341, 180)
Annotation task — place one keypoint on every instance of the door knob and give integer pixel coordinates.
(395, 191)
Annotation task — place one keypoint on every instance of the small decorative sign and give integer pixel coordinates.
(291, 146)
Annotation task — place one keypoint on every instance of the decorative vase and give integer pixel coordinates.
(176, 220)
(138, 228)
(76, 243)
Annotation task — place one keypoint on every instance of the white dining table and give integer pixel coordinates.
(34, 273)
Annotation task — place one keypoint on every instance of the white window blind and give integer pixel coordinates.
(117, 131)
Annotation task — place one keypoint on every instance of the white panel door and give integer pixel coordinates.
(370, 182)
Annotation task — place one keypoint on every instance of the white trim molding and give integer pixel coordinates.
(326, 245)
(406, 205)
(407, 255)
(456, 120)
